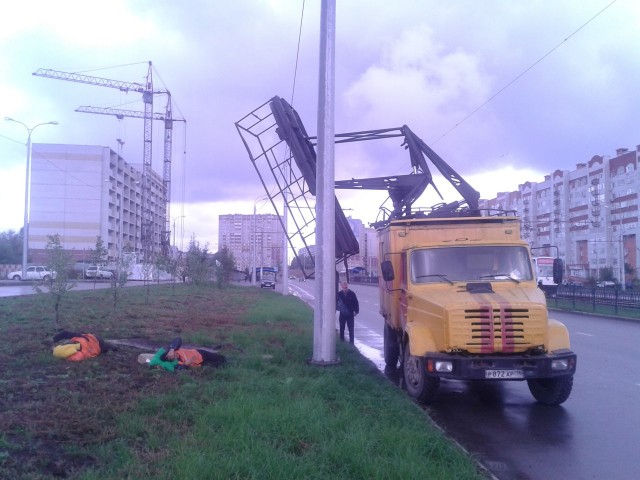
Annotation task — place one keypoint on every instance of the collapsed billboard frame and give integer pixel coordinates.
(285, 160)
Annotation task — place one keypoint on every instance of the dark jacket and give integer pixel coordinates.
(347, 303)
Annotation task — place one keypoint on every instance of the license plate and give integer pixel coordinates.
(504, 374)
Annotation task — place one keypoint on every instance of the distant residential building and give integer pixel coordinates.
(369, 248)
(367, 238)
(244, 234)
(81, 192)
(590, 214)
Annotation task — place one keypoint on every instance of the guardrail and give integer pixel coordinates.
(360, 279)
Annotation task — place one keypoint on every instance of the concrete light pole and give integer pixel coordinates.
(255, 240)
(253, 271)
(285, 240)
(324, 348)
(27, 192)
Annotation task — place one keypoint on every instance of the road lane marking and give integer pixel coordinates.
(585, 334)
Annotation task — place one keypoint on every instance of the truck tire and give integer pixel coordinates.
(419, 385)
(391, 347)
(551, 391)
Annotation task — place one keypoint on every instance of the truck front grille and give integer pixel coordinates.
(496, 329)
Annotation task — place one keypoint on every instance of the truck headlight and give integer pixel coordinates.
(561, 364)
(442, 366)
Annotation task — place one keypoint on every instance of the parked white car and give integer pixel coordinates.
(98, 272)
(36, 272)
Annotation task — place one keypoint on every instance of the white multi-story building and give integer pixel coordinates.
(590, 214)
(244, 234)
(81, 192)
(367, 238)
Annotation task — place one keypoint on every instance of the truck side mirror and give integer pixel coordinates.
(558, 270)
(387, 271)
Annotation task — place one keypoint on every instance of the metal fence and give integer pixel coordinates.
(595, 297)
(361, 279)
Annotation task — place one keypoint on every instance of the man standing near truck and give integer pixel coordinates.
(348, 306)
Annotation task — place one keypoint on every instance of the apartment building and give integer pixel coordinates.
(245, 234)
(367, 238)
(242, 233)
(81, 192)
(589, 214)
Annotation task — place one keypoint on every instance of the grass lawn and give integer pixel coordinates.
(267, 414)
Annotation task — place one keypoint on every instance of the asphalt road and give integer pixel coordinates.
(13, 288)
(595, 434)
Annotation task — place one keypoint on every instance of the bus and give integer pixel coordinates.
(543, 267)
(272, 272)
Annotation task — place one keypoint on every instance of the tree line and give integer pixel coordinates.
(10, 247)
(197, 264)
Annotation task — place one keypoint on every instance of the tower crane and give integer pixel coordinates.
(147, 92)
(168, 134)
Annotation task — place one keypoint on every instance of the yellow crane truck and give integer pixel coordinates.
(460, 301)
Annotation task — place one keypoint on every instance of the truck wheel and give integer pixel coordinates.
(551, 391)
(391, 347)
(419, 385)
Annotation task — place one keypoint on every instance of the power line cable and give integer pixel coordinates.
(295, 71)
(518, 77)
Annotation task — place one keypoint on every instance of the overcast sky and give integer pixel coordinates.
(504, 90)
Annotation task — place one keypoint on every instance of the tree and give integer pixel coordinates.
(58, 261)
(629, 271)
(606, 274)
(121, 274)
(10, 247)
(197, 265)
(225, 264)
(173, 266)
(163, 265)
(97, 256)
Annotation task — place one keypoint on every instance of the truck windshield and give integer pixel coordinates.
(470, 263)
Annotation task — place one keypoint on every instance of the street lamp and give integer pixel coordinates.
(174, 228)
(25, 228)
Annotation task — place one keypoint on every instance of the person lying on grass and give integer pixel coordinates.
(173, 357)
(78, 346)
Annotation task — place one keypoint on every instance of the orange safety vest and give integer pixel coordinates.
(189, 357)
(89, 347)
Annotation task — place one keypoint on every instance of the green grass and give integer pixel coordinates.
(268, 414)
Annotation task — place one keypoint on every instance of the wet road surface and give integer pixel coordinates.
(595, 434)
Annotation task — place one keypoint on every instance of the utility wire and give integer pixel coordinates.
(295, 71)
(522, 74)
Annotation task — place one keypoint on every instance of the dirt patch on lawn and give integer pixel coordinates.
(48, 405)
